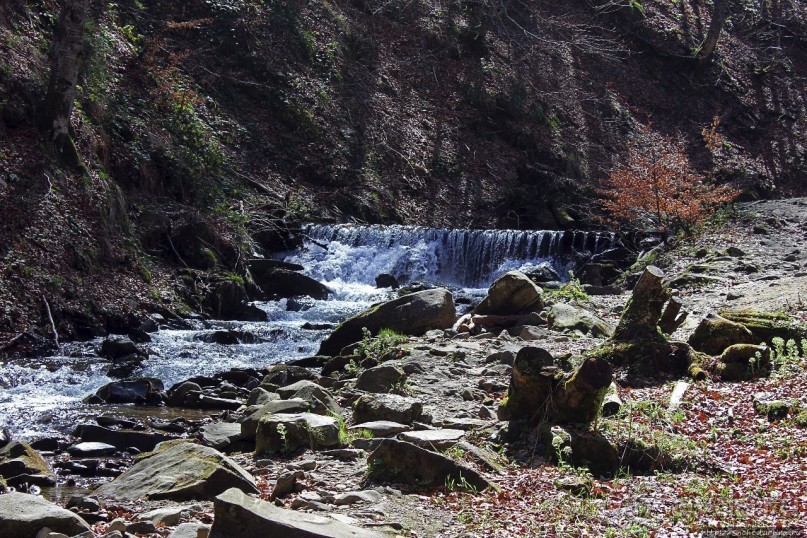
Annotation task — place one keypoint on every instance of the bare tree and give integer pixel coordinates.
(68, 54)
(720, 12)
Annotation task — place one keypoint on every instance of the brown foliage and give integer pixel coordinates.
(658, 187)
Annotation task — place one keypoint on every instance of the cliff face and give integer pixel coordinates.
(237, 115)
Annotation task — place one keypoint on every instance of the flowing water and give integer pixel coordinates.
(43, 396)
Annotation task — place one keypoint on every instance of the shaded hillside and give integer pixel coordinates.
(221, 120)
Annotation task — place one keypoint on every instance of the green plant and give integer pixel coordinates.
(378, 346)
(461, 483)
(282, 431)
(570, 291)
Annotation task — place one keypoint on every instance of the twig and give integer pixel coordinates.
(52, 324)
(168, 236)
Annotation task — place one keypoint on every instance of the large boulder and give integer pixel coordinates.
(388, 407)
(412, 314)
(398, 461)
(180, 471)
(566, 317)
(281, 283)
(21, 464)
(237, 515)
(513, 293)
(227, 300)
(716, 333)
(23, 516)
(118, 347)
(141, 390)
(744, 361)
(285, 433)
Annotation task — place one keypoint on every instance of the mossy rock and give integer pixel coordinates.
(744, 361)
(765, 326)
(773, 410)
(581, 448)
(800, 418)
(716, 333)
(19, 464)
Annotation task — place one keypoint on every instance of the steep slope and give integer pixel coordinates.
(225, 120)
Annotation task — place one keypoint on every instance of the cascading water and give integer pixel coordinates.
(43, 396)
(464, 258)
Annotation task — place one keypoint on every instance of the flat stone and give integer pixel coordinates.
(191, 530)
(437, 439)
(465, 424)
(382, 428)
(220, 435)
(166, 516)
(390, 407)
(237, 514)
(353, 497)
(23, 515)
(179, 471)
(91, 449)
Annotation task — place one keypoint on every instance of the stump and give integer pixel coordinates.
(643, 310)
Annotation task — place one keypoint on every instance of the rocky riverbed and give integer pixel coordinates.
(400, 434)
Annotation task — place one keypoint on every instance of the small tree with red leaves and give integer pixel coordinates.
(657, 188)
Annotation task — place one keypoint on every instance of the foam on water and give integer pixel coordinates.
(43, 396)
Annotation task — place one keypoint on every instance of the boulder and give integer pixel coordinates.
(716, 333)
(179, 471)
(260, 396)
(566, 317)
(743, 361)
(543, 272)
(513, 293)
(387, 407)
(121, 439)
(227, 300)
(140, 390)
(117, 347)
(249, 424)
(23, 515)
(385, 280)
(411, 314)
(220, 435)
(319, 399)
(282, 283)
(284, 433)
(398, 461)
(289, 390)
(237, 515)
(184, 393)
(282, 375)
(380, 378)
(21, 464)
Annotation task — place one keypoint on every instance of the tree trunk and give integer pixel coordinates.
(719, 14)
(68, 58)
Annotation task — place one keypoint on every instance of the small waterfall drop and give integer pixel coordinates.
(459, 257)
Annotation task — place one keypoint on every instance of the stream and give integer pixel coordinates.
(42, 396)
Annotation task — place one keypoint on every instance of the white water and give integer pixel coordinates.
(43, 396)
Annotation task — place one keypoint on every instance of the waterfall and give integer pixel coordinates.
(460, 257)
